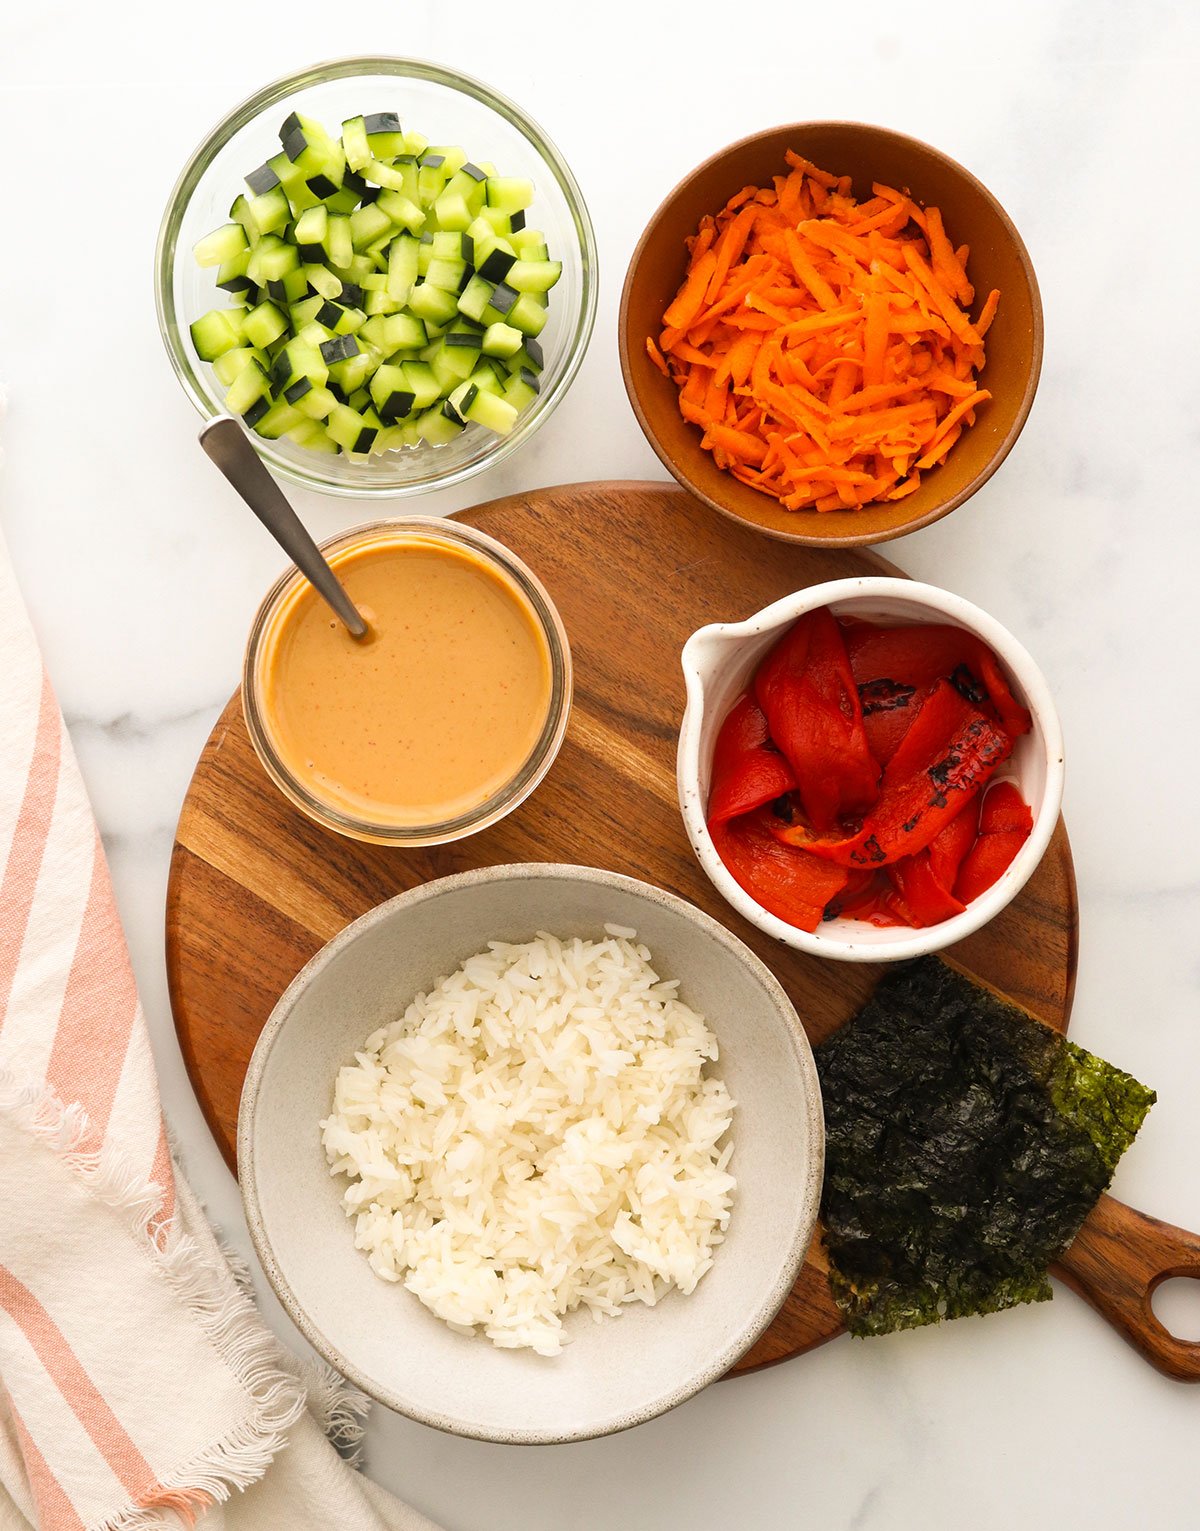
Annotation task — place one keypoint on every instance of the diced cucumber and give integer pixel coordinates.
(317, 403)
(501, 339)
(497, 263)
(278, 420)
(533, 275)
(264, 324)
(488, 409)
(230, 363)
(460, 401)
(313, 437)
(521, 389)
(531, 356)
(385, 292)
(420, 379)
(453, 211)
(323, 281)
(221, 245)
(403, 332)
(475, 297)
(231, 273)
(527, 315)
(354, 142)
(351, 430)
(501, 303)
(310, 232)
(508, 195)
(402, 267)
(384, 134)
(247, 388)
(449, 156)
(268, 212)
(392, 396)
(401, 210)
(352, 373)
(436, 428)
(339, 240)
(447, 274)
(432, 303)
(216, 332)
(367, 225)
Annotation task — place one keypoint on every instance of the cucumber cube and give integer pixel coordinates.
(221, 245)
(367, 225)
(278, 420)
(452, 210)
(434, 303)
(502, 340)
(230, 363)
(420, 379)
(533, 275)
(403, 332)
(491, 411)
(475, 297)
(267, 213)
(402, 267)
(264, 324)
(436, 428)
(339, 241)
(527, 315)
(218, 331)
(392, 396)
(508, 195)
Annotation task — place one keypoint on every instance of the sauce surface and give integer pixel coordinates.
(430, 715)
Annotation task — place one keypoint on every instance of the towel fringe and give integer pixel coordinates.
(220, 1304)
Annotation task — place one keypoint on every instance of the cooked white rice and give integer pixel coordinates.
(535, 1133)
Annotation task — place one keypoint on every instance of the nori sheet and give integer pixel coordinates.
(965, 1144)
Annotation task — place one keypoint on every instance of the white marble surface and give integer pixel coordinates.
(142, 574)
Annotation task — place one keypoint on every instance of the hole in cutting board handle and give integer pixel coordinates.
(1176, 1305)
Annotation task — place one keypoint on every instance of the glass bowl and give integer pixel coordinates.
(512, 572)
(447, 108)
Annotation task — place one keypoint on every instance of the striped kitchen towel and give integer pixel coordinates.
(140, 1387)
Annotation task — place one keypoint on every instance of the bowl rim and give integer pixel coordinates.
(849, 538)
(947, 606)
(167, 252)
(806, 1198)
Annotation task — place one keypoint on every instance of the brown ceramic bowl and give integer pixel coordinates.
(972, 216)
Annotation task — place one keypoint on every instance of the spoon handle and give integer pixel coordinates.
(226, 443)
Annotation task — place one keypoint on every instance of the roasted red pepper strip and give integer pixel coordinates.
(1004, 808)
(787, 882)
(946, 757)
(917, 656)
(926, 900)
(949, 846)
(996, 848)
(746, 771)
(833, 847)
(859, 897)
(888, 708)
(810, 697)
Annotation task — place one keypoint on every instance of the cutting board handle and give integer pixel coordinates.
(1118, 1258)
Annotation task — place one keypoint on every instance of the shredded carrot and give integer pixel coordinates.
(825, 346)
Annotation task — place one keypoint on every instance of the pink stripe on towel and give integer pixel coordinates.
(29, 839)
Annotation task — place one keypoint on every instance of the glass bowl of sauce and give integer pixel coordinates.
(439, 722)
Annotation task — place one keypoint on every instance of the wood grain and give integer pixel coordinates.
(256, 889)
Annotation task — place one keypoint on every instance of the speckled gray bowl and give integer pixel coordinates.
(613, 1374)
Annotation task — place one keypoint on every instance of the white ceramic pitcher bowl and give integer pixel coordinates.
(718, 662)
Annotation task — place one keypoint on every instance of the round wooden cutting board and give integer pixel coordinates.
(634, 568)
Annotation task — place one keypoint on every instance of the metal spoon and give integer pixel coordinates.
(229, 447)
